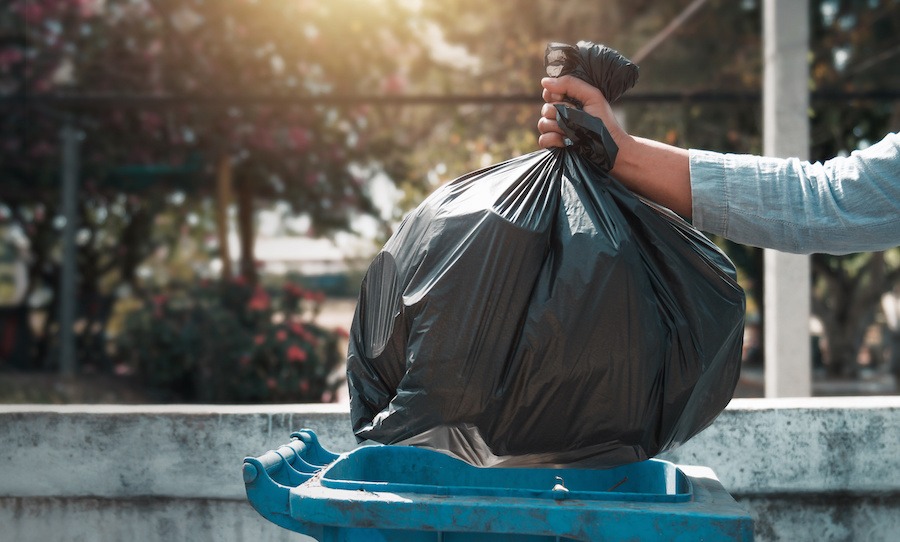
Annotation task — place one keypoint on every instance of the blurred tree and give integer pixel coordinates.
(235, 71)
(847, 293)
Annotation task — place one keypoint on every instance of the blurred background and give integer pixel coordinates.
(191, 191)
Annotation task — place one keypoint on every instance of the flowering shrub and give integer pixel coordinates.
(232, 342)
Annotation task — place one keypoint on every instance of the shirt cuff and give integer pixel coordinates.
(709, 192)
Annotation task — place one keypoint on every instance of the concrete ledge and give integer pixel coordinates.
(817, 445)
(757, 446)
(160, 451)
(818, 518)
(810, 469)
(89, 519)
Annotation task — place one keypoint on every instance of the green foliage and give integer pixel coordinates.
(232, 343)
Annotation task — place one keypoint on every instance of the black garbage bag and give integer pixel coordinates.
(537, 312)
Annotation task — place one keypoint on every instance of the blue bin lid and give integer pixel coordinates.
(404, 469)
(405, 493)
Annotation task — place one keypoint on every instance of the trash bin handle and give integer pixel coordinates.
(302, 457)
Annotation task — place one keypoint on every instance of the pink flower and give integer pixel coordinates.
(33, 14)
(300, 138)
(315, 297)
(159, 302)
(304, 334)
(9, 57)
(297, 354)
(394, 84)
(259, 301)
(271, 383)
(259, 339)
(293, 289)
(281, 335)
(87, 8)
(304, 386)
(151, 121)
(262, 138)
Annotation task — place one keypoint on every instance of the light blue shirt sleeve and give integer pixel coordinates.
(847, 204)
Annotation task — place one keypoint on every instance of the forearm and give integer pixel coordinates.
(656, 171)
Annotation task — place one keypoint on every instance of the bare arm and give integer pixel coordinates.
(657, 171)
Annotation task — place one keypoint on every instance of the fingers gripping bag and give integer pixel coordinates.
(536, 312)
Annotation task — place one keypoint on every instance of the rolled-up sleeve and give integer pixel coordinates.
(847, 204)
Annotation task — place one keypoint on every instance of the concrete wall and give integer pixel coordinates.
(810, 469)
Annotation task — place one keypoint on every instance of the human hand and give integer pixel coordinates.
(556, 90)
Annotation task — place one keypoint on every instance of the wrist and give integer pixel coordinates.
(657, 171)
(625, 155)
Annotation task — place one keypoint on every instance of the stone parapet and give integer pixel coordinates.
(809, 469)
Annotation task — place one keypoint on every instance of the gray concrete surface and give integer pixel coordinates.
(808, 469)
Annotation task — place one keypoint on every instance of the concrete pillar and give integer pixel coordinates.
(786, 134)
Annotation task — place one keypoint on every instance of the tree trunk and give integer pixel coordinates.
(132, 247)
(223, 202)
(843, 349)
(245, 229)
(894, 360)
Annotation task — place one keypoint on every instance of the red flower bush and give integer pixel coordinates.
(233, 343)
(297, 354)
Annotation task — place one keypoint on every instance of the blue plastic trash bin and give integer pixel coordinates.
(402, 493)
